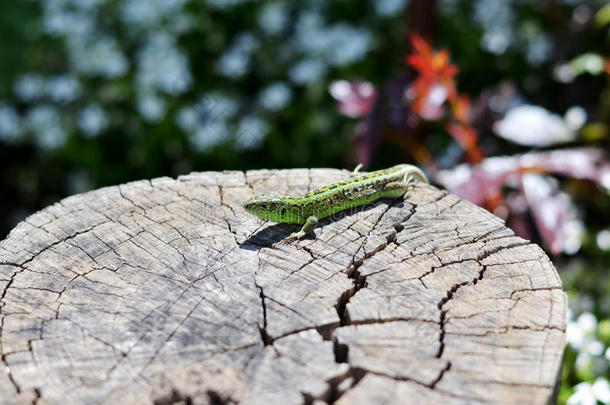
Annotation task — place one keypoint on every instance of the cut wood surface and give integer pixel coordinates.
(167, 291)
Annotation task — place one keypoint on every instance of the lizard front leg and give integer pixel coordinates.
(307, 228)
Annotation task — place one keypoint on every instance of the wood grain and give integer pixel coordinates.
(166, 291)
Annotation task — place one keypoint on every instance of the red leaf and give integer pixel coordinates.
(467, 137)
(419, 63)
(434, 87)
(461, 109)
(421, 46)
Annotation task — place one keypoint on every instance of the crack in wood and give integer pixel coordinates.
(10, 374)
(453, 290)
(136, 301)
(263, 330)
(440, 375)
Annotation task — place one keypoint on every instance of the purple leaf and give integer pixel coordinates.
(356, 99)
(474, 182)
(582, 163)
(555, 215)
(518, 219)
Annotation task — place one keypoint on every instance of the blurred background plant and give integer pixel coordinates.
(505, 103)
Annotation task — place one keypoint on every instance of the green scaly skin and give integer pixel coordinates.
(328, 200)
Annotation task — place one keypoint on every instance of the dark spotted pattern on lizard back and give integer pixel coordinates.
(335, 197)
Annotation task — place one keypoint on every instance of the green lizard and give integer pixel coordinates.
(328, 200)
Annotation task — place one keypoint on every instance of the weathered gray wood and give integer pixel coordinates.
(166, 290)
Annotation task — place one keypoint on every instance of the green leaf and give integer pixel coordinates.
(589, 62)
(602, 17)
(604, 331)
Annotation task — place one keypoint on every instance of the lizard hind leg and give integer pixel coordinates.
(397, 188)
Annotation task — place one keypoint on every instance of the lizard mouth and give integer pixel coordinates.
(251, 208)
(256, 208)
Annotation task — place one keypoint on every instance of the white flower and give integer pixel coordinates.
(574, 233)
(601, 388)
(162, 66)
(307, 71)
(206, 119)
(594, 348)
(575, 335)
(10, 127)
(151, 107)
(251, 132)
(587, 394)
(338, 44)
(387, 8)
(97, 55)
(587, 322)
(187, 119)
(496, 20)
(539, 48)
(348, 44)
(45, 122)
(151, 13)
(575, 117)
(276, 96)
(273, 17)
(235, 62)
(581, 334)
(92, 120)
(603, 239)
(583, 395)
(88, 4)
(216, 106)
(564, 73)
(63, 89)
(496, 41)
(224, 4)
(209, 134)
(533, 126)
(29, 87)
(60, 19)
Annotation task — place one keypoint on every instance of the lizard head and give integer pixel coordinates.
(267, 206)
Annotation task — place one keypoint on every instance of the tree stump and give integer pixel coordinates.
(167, 291)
